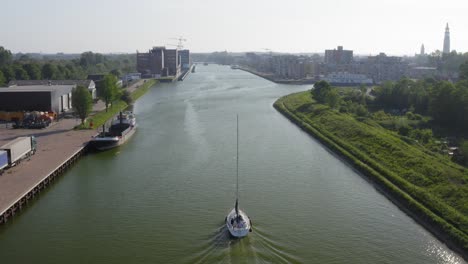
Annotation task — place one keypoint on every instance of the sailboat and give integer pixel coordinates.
(237, 221)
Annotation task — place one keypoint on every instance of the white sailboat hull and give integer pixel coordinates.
(238, 228)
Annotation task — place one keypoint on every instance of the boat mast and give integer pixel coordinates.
(237, 167)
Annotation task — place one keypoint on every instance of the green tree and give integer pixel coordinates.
(324, 93)
(2, 79)
(126, 97)
(463, 72)
(8, 73)
(443, 103)
(116, 72)
(363, 94)
(108, 91)
(62, 73)
(49, 71)
(23, 58)
(82, 102)
(75, 71)
(426, 135)
(361, 110)
(451, 62)
(462, 156)
(89, 58)
(332, 98)
(20, 73)
(33, 70)
(5, 57)
(320, 91)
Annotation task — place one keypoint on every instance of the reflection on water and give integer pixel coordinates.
(442, 254)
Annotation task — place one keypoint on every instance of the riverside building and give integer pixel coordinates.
(161, 62)
(56, 98)
(185, 59)
(338, 56)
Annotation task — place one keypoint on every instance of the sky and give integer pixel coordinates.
(396, 27)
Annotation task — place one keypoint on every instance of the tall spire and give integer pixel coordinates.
(446, 49)
(422, 50)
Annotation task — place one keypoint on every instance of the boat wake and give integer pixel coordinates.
(270, 251)
(214, 247)
(257, 247)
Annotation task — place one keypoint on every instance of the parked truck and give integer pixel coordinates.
(3, 160)
(16, 150)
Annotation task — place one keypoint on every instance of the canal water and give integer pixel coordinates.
(163, 197)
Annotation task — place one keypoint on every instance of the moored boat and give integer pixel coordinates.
(122, 128)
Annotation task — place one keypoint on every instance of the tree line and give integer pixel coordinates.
(414, 108)
(444, 62)
(445, 102)
(27, 67)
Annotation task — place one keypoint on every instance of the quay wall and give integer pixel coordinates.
(59, 147)
(185, 73)
(41, 184)
(272, 78)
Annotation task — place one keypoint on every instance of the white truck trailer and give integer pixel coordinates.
(3, 160)
(19, 148)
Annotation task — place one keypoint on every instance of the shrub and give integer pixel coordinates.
(361, 110)
(404, 130)
(126, 97)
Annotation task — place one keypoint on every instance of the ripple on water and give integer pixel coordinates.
(257, 247)
(443, 255)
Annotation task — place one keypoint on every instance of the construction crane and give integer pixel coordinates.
(181, 42)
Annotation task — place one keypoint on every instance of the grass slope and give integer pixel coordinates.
(428, 185)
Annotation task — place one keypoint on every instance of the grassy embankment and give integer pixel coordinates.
(102, 117)
(428, 186)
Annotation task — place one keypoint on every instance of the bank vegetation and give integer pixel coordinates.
(118, 104)
(399, 158)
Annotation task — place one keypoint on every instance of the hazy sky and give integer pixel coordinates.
(365, 26)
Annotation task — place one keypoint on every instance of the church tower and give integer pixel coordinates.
(446, 49)
(423, 52)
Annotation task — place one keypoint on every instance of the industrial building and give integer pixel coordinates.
(185, 59)
(161, 62)
(151, 64)
(172, 61)
(56, 98)
(90, 84)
